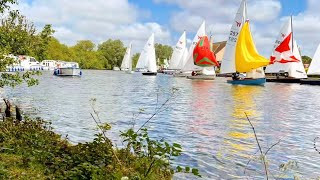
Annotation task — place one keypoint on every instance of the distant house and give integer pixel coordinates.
(218, 48)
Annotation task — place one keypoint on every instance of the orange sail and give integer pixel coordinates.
(202, 54)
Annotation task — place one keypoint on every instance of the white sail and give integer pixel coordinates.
(189, 65)
(228, 61)
(166, 63)
(283, 67)
(125, 65)
(314, 68)
(151, 55)
(178, 52)
(184, 59)
(296, 69)
(143, 58)
(130, 58)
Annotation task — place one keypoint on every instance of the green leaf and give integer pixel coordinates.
(179, 169)
(177, 145)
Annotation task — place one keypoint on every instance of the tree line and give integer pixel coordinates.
(106, 55)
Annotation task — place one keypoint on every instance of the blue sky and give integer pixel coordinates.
(135, 20)
(293, 7)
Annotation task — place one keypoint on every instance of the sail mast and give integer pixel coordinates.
(291, 34)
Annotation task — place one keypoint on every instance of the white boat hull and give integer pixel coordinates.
(68, 72)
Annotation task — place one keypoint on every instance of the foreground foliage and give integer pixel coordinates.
(31, 150)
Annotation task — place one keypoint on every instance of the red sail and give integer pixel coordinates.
(202, 55)
(283, 53)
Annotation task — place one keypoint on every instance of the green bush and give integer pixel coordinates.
(32, 147)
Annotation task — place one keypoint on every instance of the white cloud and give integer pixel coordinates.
(264, 17)
(99, 20)
(96, 20)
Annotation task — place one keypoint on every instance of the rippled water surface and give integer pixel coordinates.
(206, 117)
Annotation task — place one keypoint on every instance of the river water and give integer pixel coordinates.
(206, 117)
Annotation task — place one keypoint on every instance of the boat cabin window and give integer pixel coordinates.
(33, 60)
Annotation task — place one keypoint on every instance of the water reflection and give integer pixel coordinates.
(202, 104)
(207, 117)
(238, 142)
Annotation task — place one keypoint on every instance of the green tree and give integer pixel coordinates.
(86, 56)
(113, 52)
(41, 43)
(5, 4)
(163, 52)
(17, 35)
(135, 58)
(58, 51)
(306, 59)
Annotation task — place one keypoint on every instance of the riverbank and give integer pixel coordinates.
(30, 149)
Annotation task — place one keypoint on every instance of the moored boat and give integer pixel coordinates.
(24, 63)
(49, 64)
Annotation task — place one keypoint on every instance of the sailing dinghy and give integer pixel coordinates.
(204, 57)
(126, 64)
(287, 66)
(241, 55)
(314, 69)
(187, 63)
(149, 57)
(176, 61)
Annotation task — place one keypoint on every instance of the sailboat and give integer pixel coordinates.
(126, 64)
(241, 55)
(176, 61)
(188, 64)
(204, 57)
(314, 69)
(147, 59)
(286, 60)
(143, 60)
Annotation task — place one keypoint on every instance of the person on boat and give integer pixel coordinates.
(235, 76)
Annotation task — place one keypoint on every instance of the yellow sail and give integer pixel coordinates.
(247, 56)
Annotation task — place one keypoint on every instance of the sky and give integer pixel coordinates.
(135, 20)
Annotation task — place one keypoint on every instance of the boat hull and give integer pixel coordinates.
(259, 81)
(310, 81)
(201, 77)
(149, 73)
(129, 72)
(284, 80)
(169, 71)
(67, 72)
(140, 70)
